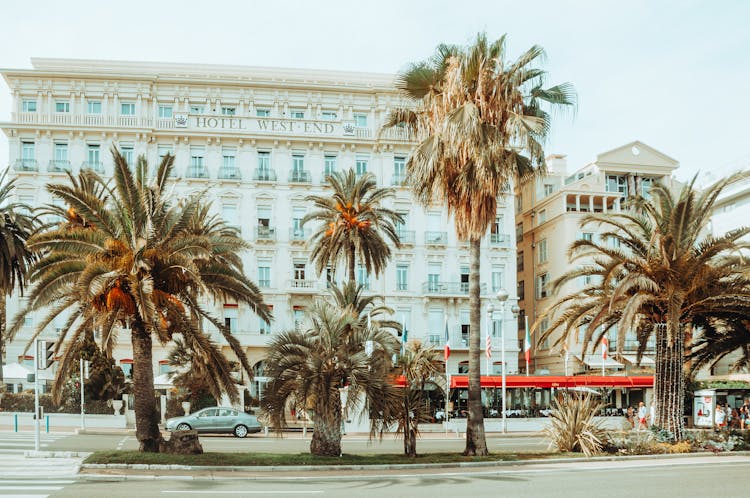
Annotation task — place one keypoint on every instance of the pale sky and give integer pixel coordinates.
(673, 74)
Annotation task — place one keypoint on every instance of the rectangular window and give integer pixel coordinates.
(264, 161)
(497, 278)
(197, 162)
(297, 114)
(228, 110)
(231, 316)
(28, 106)
(196, 109)
(93, 155)
(520, 290)
(298, 164)
(264, 216)
(330, 277)
(403, 316)
(127, 153)
(646, 184)
(61, 152)
(298, 233)
(402, 277)
(519, 232)
(464, 276)
(360, 120)
(361, 163)
(264, 273)
(163, 150)
(589, 236)
(399, 170)
(363, 277)
(617, 183)
(262, 113)
(543, 326)
(542, 218)
(28, 152)
(62, 106)
(165, 111)
(229, 214)
(329, 165)
(519, 261)
(433, 277)
(519, 203)
(542, 251)
(94, 107)
(464, 324)
(541, 286)
(401, 227)
(127, 109)
(329, 115)
(299, 317)
(299, 270)
(228, 155)
(436, 323)
(264, 328)
(548, 189)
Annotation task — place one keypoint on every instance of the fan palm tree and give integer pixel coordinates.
(16, 225)
(480, 125)
(353, 224)
(314, 369)
(663, 277)
(418, 365)
(126, 254)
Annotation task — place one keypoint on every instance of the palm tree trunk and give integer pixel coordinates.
(476, 444)
(669, 385)
(352, 274)
(410, 439)
(326, 438)
(2, 336)
(146, 416)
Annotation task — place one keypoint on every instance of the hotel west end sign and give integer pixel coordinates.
(265, 125)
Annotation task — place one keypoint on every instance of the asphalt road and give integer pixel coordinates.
(701, 476)
(294, 443)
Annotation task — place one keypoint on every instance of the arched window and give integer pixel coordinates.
(463, 367)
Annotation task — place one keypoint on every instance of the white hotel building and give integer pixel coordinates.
(258, 140)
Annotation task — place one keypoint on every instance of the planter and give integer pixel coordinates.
(186, 407)
(117, 405)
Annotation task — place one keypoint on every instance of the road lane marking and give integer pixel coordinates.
(122, 442)
(36, 488)
(267, 492)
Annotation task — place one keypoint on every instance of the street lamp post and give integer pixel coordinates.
(502, 296)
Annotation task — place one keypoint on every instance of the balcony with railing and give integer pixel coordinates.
(95, 166)
(407, 237)
(398, 180)
(434, 288)
(265, 234)
(302, 285)
(299, 235)
(400, 133)
(300, 176)
(435, 238)
(631, 345)
(26, 165)
(264, 175)
(500, 240)
(229, 173)
(58, 166)
(195, 171)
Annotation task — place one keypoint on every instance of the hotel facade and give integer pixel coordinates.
(256, 142)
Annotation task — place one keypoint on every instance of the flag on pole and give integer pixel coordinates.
(605, 346)
(527, 344)
(488, 348)
(447, 351)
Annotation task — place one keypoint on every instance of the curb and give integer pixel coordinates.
(56, 454)
(315, 468)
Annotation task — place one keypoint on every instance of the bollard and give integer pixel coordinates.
(46, 424)
(15, 422)
(265, 430)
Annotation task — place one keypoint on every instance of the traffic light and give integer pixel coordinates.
(47, 354)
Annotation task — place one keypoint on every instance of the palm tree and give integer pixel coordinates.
(479, 124)
(127, 255)
(312, 369)
(663, 277)
(353, 224)
(418, 365)
(16, 225)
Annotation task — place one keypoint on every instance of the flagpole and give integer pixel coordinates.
(527, 355)
(604, 354)
(446, 355)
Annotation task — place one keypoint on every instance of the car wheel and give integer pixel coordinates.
(183, 427)
(240, 431)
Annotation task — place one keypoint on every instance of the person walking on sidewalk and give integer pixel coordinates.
(720, 417)
(642, 414)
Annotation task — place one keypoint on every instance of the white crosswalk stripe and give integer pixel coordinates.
(33, 476)
(19, 442)
(28, 488)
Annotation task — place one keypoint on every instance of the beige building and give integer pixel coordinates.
(548, 216)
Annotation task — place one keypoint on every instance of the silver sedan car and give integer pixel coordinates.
(216, 419)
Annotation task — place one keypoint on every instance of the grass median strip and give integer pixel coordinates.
(275, 459)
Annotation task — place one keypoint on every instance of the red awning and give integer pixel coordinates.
(548, 381)
(126, 361)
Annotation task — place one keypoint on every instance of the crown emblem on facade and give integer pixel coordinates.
(181, 120)
(349, 129)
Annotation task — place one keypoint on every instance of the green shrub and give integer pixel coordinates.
(572, 426)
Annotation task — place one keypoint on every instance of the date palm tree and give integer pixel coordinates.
(353, 224)
(662, 277)
(480, 125)
(128, 254)
(418, 364)
(16, 225)
(327, 371)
